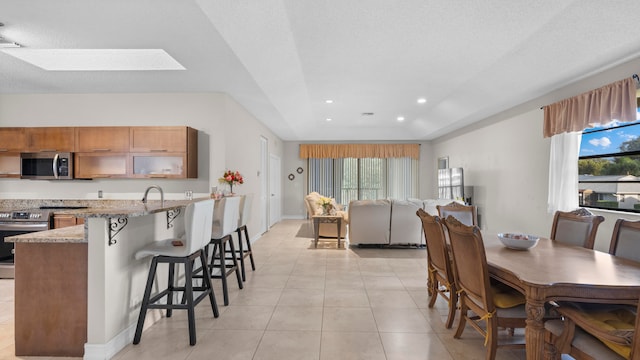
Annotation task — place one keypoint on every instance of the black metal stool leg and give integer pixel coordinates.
(171, 287)
(188, 291)
(234, 260)
(145, 301)
(207, 283)
(249, 250)
(241, 254)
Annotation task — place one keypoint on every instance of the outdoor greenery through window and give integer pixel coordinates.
(609, 167)
(361, 179)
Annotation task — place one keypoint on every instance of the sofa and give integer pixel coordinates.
(389, 221)
(327, 230)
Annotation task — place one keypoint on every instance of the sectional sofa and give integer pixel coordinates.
(389, 222)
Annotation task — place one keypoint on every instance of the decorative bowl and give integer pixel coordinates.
(518, 241)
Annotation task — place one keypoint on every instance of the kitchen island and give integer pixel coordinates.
(78, 289)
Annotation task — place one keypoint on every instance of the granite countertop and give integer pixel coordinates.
(71, 234)
(76, 234)
(133, 210)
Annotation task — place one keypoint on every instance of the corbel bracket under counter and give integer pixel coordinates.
(115, 226)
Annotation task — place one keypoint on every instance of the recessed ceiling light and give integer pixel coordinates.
(97, 59)
(367, 114)
(422, 101)
(329, 119)
(400, 118)
(4, 43)
(329, 101)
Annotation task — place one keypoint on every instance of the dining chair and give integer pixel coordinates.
(577, 227)
(243, 219)
(625, 239)
(466, 214)
(223, 257)
(440, 279)
(497, 305)
(593, 332)
(183, 250)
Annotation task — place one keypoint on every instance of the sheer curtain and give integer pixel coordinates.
(563, 172)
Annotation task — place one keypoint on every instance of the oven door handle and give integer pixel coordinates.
(17, 226)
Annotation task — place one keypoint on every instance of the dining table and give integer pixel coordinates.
(554, 271)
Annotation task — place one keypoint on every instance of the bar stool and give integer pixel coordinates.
(245, 213)
(223, 258)
(185, 250)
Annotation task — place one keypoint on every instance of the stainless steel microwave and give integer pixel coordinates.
(46, 165)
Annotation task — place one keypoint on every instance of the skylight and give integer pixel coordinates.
(97, 59)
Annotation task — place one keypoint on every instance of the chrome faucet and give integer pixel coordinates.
(146, 192)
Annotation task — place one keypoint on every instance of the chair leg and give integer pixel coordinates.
(463, 319)
(240, 256)
(453, 305)
(145, 301)
(170, 287)
(492, 334)
(248, 243)
(234, 260)
(188, 291)
(206, 279)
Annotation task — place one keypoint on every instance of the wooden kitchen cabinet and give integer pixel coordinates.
(12, 139)
(64, 220)
(50, 139)
(102, 139)
(160, 138)
(101, 165)
(9, 165)
(164, 151)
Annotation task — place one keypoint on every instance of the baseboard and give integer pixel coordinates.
(294, 217)
(111, 348)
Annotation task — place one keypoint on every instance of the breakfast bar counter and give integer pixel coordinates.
(84, 280)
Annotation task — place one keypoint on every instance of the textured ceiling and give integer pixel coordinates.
(281, 59)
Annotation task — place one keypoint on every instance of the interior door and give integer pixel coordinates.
(264, 184)
(275, 198)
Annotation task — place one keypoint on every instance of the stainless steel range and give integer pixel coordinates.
(18, 222)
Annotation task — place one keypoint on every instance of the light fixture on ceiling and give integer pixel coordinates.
(422, 101)
(329, 101)
(400, 118)
(329, 119)
(97, 59)
(5, 44)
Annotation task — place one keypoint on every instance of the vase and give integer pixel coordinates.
(327, 209)
(230, 189)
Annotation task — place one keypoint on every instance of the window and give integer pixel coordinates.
(366, 178)
(609, 167)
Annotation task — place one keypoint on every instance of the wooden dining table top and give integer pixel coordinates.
(553, 263)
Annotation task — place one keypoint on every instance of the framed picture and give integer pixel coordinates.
(443, 162)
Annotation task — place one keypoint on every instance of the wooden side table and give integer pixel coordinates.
(330, 219)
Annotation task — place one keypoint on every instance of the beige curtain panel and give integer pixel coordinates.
(338, 151)
(615, 101)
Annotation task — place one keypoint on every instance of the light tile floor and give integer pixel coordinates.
(307, 303)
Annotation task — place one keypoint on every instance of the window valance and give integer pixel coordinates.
(616, 101)
(337, 151)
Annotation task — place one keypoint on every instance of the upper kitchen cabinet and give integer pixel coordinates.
(12, 139)
(50, 139)
(161, 138)
(102, 139)
(12, 142)
(164, 151)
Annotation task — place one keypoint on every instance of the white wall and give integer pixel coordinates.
(228, 137)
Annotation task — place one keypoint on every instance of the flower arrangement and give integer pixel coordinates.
(326, 203)
(231, 178)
